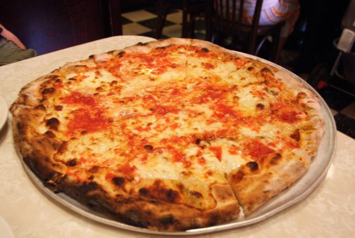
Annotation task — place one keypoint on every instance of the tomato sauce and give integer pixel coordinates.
(79, 98)
(88, 120)
(258, 150)
(217, 152)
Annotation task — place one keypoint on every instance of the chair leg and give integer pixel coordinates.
(162, 13)
(276, 47)
(193, 17)
(185, 26)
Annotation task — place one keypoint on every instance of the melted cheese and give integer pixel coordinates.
(192, 119)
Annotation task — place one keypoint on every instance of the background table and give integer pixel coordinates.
(328, 212)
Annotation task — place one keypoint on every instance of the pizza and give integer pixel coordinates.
(168, 135)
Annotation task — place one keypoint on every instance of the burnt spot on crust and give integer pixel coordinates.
(260, 106)
(53, 123)
(167, 221)
(267, 74)
(238, 176)
(63, 147)
(160, 191)
(296, 135)
(141, 44)
(99, 89)
(72, 162)
(114, 82)
(143, 192)
(21, 128)
(121, 54)
(196, 194)
(214, 219)
(265, 70)
(162, 48)
(119, 181)
(40, 107)
(48, 91)
(275, 159)
(148, 147)
(250, 68)
(50, 134)
(205, 50)
(94, 169)
(172, 195)
(58, 107)
(301, 95)
(253, 166)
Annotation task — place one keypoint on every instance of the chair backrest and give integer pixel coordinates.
(228, 18)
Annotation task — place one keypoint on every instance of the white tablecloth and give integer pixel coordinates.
(328, 212)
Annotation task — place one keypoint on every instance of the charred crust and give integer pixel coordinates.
(121, 54)
(260, 106)
(40, 107)
(114, 82)
(253, 166)
(119, 181)
(141, 44)
(250, 68)
(50, 134)
(239, 175)
(148, 147)
(144, 191)
(167, 221)
(94, 169)
(214, 219)
(58, 107)
(296, 135)
(301, 95)
(63, 147)
(162, 48)
(49, 177)
(172, 195)
(205, 50)
(265, 70)
(72, 162)
(275, 158)
(196, 194)
(88, 186)
(48, 91)
(53, 123)
(21, 128)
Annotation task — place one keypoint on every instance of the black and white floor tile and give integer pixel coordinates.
(142, 22)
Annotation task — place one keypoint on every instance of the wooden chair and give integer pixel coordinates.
(190, 9)
(225, 18)
(47, 26)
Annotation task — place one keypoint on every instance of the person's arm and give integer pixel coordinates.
(10, 36)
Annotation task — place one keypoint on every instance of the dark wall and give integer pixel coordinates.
(49, 25)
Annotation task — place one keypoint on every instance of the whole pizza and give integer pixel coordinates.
(168, 135)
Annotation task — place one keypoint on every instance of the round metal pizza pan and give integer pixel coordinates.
(294, 194)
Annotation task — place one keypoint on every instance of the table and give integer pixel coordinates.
(329, 211)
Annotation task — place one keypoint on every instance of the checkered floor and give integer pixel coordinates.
(142, 22)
